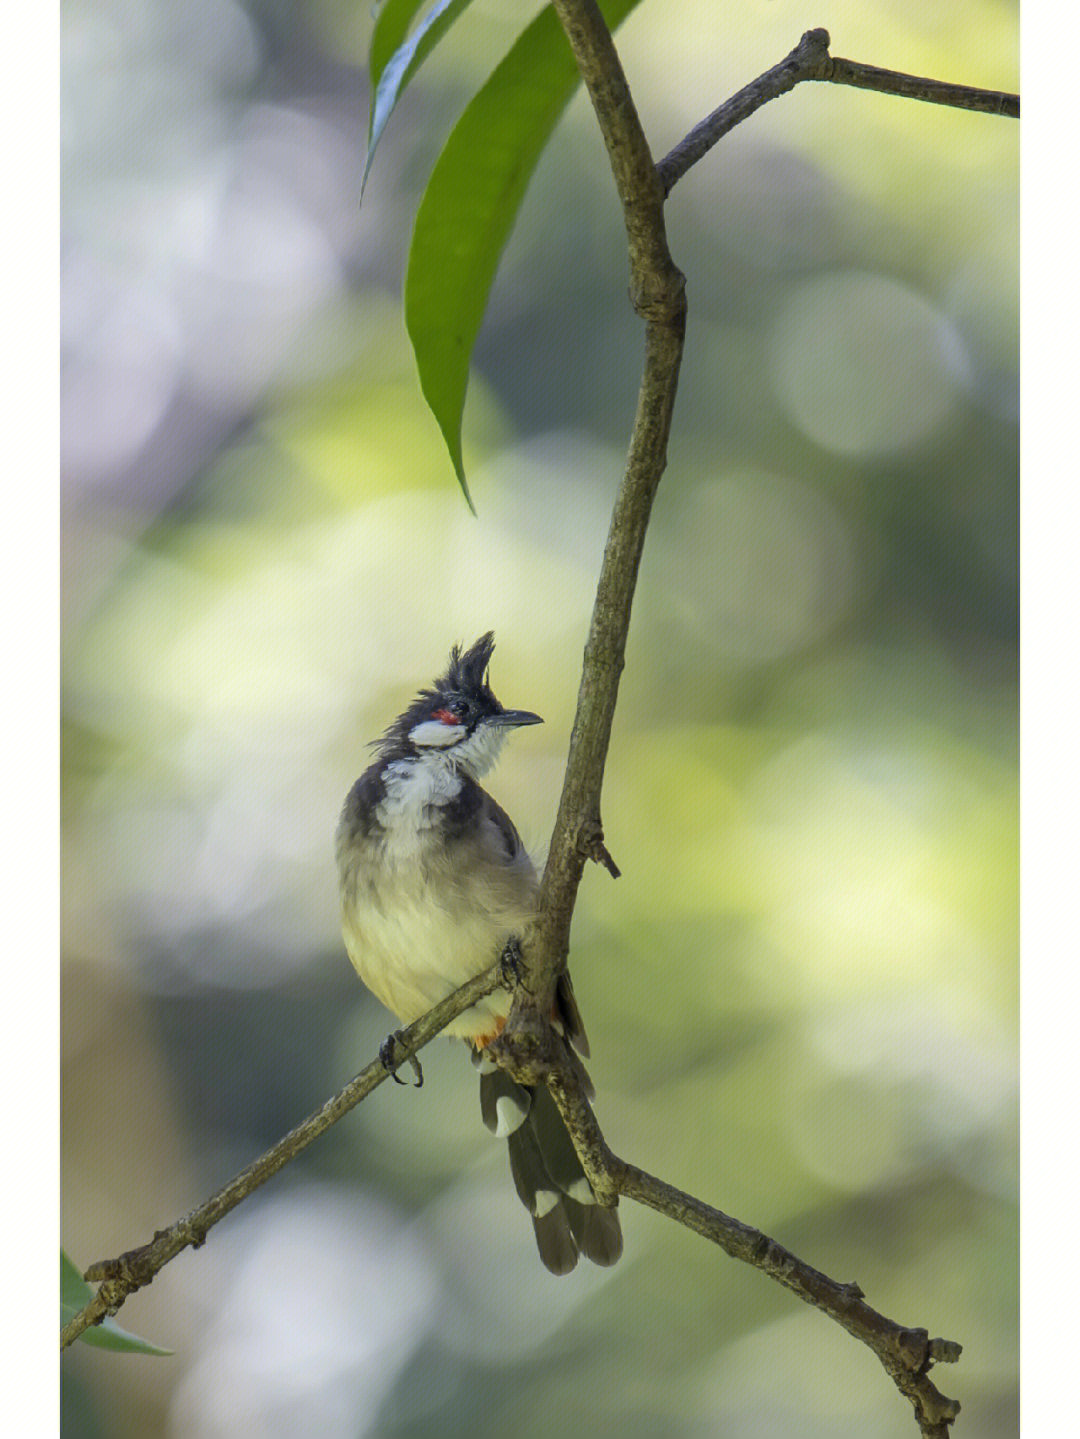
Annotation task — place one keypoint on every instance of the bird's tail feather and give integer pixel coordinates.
(547, 1173)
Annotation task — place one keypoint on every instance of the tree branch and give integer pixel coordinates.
(657, 289)
(527, 1048)
(810, 60)
(906, 1354)
(541, 1057)
(916, 87)
(810, 54)
(136, 1267)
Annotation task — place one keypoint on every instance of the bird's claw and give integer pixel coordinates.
(511, 964)
(390, 1061)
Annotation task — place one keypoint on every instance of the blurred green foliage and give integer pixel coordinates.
(801, 995)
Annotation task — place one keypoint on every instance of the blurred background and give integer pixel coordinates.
(801, 994)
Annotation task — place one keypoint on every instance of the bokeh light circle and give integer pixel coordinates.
(863, 364)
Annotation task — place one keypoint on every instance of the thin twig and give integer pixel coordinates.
(810, 60)
(811, 53)
(134, 1269)
(916, 87)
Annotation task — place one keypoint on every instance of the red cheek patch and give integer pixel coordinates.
(446, 716)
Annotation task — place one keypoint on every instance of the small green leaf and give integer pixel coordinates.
(75, 1295)
(391, 73)
(470, 204)
(109, 1335)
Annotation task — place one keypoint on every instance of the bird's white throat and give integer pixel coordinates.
(442, 744)
(412, 788)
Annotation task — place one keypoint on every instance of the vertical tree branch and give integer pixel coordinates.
(658, 293)
(657, 289)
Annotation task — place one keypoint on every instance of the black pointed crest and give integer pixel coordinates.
(466, 674)
(468, 671)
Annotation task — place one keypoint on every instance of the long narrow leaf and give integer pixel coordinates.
(470, 204)
(388, 34)
(402, 65)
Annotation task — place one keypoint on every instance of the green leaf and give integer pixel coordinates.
(470, 204)
(75, 1295)
(391, 71)
(388, 33)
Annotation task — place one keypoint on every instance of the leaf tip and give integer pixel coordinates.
(460, 471)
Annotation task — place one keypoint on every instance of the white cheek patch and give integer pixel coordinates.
(433, 734)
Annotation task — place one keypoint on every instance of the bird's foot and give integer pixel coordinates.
(388, 1054)
(511, 964)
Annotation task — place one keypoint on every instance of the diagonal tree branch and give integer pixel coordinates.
(136, 1267)
(810, 60)
(809, 56)
(917, 87)
(906, 1354)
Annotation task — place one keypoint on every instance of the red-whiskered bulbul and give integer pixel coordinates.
(436, 885)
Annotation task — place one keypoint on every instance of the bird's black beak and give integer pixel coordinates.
(510, 719)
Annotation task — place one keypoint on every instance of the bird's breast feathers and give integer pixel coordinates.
(410, 810)
(426, 903)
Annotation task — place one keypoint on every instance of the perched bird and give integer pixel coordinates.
(436, 885)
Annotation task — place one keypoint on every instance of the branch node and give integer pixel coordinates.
(524, 1049)
(944, 1351)
(913, 1347)
(813, 46)
(195, 1235)
(112, 1295)
(938, 1408)
(660, 300)
(106, 1271)
(591, 843)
